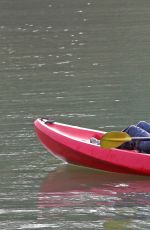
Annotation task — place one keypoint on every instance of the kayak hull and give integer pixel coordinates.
(72, 144)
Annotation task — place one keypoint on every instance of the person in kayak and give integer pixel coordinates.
(141, 129)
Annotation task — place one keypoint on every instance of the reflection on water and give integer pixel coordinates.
(99, 199)
(72, 197)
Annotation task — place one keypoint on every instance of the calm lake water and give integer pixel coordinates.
(84, 63)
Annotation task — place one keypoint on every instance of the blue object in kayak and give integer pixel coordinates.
(142, 129)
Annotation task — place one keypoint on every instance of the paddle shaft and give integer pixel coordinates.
(141, 138)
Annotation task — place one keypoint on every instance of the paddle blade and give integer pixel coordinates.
(114, 139)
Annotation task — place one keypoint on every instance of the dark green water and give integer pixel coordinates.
(83, 63)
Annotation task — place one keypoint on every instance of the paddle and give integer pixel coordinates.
(115, 139)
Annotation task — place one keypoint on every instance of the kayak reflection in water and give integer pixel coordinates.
(141, 129)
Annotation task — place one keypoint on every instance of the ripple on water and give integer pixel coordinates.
(77, 115)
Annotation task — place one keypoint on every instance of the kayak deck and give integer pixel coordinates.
(72, 144)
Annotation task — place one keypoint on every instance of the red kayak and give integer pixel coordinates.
(72, 144)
